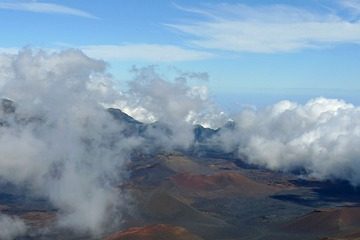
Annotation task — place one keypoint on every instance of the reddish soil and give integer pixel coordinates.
(39, 218)
(154, 232)
(228, 182)
(328, 220)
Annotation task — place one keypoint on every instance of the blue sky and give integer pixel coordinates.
(255, 51)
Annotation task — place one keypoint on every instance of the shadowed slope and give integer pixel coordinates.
(327, 221)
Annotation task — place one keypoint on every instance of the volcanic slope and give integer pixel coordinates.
(154, 232)
(182, 194)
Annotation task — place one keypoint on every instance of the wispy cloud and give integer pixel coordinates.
(145, 52)
(268, 29)
(9, 50)
(352, 5)
(131, 52)
(42, 7)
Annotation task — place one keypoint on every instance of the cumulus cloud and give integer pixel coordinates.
(56, 137)
(320, 137)
(11, 227)
(172, 103)
(269, 28)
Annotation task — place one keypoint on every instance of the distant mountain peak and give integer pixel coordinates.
(120, 115)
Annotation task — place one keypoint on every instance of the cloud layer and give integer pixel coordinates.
(152, 53)
(145, 52)
(58, 140)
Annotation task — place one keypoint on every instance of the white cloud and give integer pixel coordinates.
(321, 137)
(11, 227)
(151, 97)
(146, 52)
(65, 150)
(131, 52)
(42, 7)
(10, 50)
(351, 4)
(268, 29)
